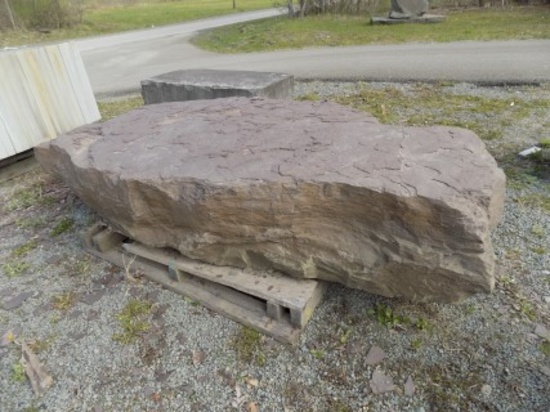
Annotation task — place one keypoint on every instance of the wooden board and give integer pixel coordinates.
(256, 300)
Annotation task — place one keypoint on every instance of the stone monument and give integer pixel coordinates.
(408, 11)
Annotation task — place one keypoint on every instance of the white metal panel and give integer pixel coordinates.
(17, 104)
(6, 147)
(44, 91)
(79, 79)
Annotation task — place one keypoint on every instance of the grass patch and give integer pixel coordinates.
(41, 345)
(31, 196)
(14, 269)
(62, 226)
(133, 320)
(64, 301)
(248, 344)
(32, 223)
(334, 30)
(25, 248)
(138, 14)
(18, 372)
(385, 316)
(428, 105)
(535, 199)
(115, 108)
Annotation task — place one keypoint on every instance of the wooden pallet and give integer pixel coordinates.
(272, 303)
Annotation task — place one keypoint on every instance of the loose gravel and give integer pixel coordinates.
(480, 355)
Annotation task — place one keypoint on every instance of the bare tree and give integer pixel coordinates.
(10, 14)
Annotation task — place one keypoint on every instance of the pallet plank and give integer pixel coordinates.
(274, 318)
(275, 287)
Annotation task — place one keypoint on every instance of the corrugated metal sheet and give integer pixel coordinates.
(44, 91)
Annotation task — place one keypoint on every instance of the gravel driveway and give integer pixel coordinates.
(115, 342)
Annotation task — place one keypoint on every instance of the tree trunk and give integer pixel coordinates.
(302, 8)
(290, 9)
(10, 14)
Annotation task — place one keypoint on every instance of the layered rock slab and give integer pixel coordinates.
(314, 190)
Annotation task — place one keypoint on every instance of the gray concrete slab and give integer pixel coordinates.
(182, 85)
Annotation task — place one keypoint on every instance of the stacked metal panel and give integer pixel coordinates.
(44, 91)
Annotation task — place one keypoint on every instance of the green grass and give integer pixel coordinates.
(62, 226)
(248, 344)
(14, 269)
(316, 31)
(25, 248)
(64, 301)
(115, 108)
(18, 372)
(141, 14)
(133, 320)
(427, 105)
(536, 199)
(29, 197)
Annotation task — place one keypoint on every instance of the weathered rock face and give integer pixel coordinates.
(312, 190)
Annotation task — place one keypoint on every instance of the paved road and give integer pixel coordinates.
(116, 64)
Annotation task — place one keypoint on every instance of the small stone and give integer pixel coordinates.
(16, 301)
(545, 370)
(93, 297)
(92, 315)
(486, 390)
(381, 383)
(198, 357)
(375, 356)
(181, 338)
(186, 389)
(136, 292)
(547, 299)
(162, 376)
(541, 331)
(110, 279)
(75, 314)
(148, 391)
(410, 389)
(76, 335)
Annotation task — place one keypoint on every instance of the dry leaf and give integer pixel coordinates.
(239, 398)
(251, 382)
(156, 397)
(198, 357)
(40, 379)
(252, 407)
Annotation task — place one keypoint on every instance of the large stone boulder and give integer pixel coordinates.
(314, 190)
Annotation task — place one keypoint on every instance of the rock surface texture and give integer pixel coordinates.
(183, 85)
(314, 190)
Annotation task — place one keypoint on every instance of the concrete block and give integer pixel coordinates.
(184, 85)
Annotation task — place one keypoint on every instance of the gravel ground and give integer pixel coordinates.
(490, 353)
